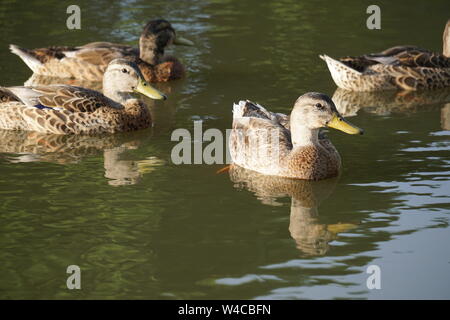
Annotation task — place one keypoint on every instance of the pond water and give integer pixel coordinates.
(141, 227)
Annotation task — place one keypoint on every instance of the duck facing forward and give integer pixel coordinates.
(288, 146)
(89, 62)
(64, 109)
(400, 67)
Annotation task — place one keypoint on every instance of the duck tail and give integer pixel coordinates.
(246, 108)
(239, 109)
(7, 96)
(342, 74)
(337, 66)
(27, 56)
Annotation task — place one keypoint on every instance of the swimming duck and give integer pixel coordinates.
(400, 67)
(89, 62)
(288, 146)
(65, 109)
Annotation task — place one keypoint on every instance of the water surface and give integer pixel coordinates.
(141, 227)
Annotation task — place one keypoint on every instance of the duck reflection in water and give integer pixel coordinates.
(349, 103)
(311, 237)
(445, 117)
(27, 146)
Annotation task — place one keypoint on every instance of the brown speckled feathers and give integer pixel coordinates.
(261, 141)
(69, 110)
(89, 62)
(399, 67)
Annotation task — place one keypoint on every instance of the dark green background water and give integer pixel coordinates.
(142, 227)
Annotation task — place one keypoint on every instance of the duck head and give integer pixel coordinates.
(123, 77)
(156, 36)
(313, 111)
(446, 40)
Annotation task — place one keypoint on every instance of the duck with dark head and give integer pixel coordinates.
(89, 62)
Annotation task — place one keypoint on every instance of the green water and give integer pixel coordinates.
(141, 227)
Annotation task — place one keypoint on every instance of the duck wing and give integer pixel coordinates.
(97, 53)
(255, 110)
(426, 59)
(408, 56)
(101, 53)
(62, 97)
(259, 137)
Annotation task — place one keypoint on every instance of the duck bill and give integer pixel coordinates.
(147, 90)
(339, 123)
(183, 41)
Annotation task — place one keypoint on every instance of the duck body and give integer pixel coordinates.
(64, 109)
(399, 67)
(89, 62)
(286, 146)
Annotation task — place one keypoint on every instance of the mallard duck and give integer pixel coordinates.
(400, 67)
(288, 146)
(65, 109)
(89, 62)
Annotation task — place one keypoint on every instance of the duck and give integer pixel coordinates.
(65, 109)
(89, 62)
(288, 146)
(400, 67)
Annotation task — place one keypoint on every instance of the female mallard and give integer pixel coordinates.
(65, 109)
(288, 146)
(401, 67)
(89, 62)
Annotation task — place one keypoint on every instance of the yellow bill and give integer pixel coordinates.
(339, 123)
(340, 227)
(147, 90)
(183, 41)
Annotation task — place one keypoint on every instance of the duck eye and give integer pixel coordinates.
(319, 106)
(124, 70)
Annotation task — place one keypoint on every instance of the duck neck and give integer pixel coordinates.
(149, 51)
(446, 41)
(303, 136)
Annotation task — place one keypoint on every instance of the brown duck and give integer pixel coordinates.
(400, 67)
(288, 146)
(89, 62)
(65, 109)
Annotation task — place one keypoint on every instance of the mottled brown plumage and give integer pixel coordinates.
(64, 109)
(89, 62)
(168, 69)
(275, 144)
(399, 67)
